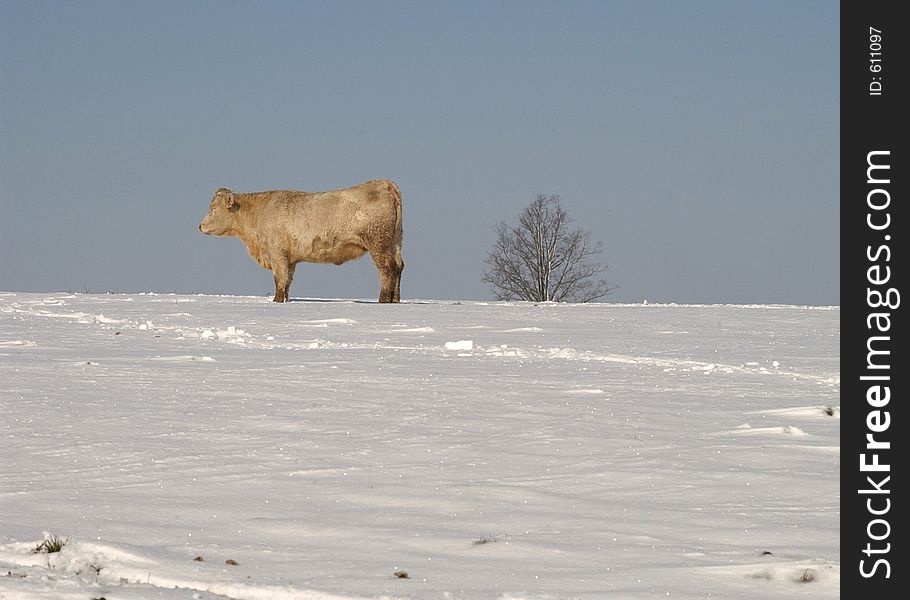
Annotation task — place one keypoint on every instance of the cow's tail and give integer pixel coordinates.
(397, 236)
(398, 233)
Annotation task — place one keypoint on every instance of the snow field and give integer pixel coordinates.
(488, 450)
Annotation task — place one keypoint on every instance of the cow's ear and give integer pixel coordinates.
(227, 197)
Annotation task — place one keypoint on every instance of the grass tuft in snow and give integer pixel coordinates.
(807, 576)
(51, 544)
(486, 539)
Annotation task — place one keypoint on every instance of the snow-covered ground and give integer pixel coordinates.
(488, 450)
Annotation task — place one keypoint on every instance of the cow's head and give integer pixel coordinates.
(221, 218)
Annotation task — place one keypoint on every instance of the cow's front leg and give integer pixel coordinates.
(283, 273)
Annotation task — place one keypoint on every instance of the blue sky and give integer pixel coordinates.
(698, 140)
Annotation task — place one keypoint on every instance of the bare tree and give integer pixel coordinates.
(542, 260)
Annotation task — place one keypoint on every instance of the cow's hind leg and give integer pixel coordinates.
(389, 275)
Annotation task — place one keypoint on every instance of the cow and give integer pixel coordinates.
(284, 227)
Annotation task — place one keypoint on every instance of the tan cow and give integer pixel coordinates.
(283, 228)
